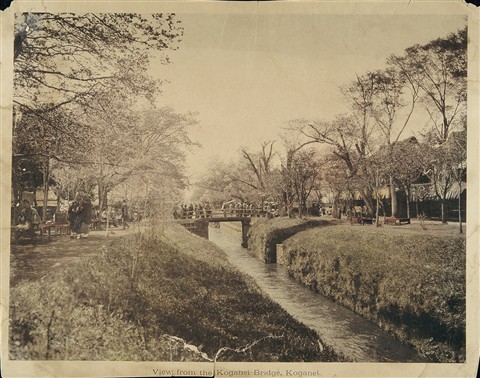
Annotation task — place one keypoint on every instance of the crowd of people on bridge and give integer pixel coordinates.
(191, 211)
(249, 209)
(228, 209)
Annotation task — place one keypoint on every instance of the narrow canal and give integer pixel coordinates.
(345, 331)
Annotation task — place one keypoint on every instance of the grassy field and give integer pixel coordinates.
(146, 295)
(265, 234)
(409, 283)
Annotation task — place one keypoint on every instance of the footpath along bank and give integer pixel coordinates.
(411, 284)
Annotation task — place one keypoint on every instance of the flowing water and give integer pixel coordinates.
(345, 331)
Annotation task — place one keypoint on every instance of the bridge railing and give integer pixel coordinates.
(225, 213)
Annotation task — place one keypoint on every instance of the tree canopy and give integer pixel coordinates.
(367, 149)
(80, 82)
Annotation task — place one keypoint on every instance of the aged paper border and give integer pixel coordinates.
(125, 368)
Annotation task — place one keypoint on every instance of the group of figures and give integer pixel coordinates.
(117, 216)
(249, 209)
(228, 209)
(25, 218)
(192, 211)
(80, 215)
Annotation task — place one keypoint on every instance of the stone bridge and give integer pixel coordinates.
(199, 226)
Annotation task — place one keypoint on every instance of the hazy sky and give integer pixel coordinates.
(246, 75)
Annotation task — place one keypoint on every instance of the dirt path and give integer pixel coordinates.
(429, 228)
(31, 262)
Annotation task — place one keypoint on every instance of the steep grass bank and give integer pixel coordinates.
(265, 234)
(235, 312)
(411, 285)
(127, 302)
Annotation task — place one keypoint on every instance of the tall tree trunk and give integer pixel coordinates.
(58, 200)
(460, 209)
(46, 177)
(407, 192)
(442, 208)
(300, 205)
(445, 124)
(444, 203)
(367, 199)
(377, 210)
(416, 203)
(102, 203)
(335, 210)
(393, 197)
(35, 196)
(288, 203)
(102, 195)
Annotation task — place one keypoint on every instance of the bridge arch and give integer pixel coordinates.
(199, 226)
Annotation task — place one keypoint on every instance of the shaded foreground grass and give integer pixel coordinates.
(411, 285)
(126, 302)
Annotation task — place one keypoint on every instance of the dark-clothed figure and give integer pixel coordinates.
(25, 218)
(73, 216)
(35, 216)
(26, 215)
(112, 217)
(175, 213)
(208, 210)
(136, 216)
(85, 216)
(25, 224)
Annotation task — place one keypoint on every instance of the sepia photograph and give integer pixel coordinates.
(242, 189)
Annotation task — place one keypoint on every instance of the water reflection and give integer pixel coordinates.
(347, 332)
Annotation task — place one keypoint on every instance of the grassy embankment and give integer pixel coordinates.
(265, 234)
(126, 301)
(412, 285)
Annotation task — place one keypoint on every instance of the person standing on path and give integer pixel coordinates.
(73, 216)
(125, 217)
(35, 217)
(85, 216)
